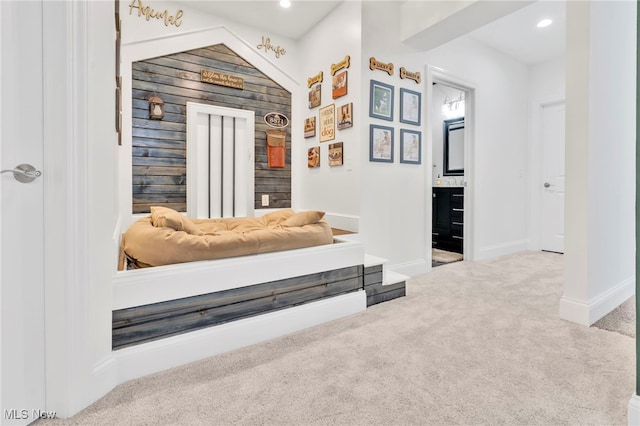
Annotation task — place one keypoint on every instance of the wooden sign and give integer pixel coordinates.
(310, 127)
(213, 77)
(335, 154)
(315, 79)
(149, 13)
(267, 46)
(377, 65)
(345, 63)
(339, 85)
(415, 76)
(276, 120)
(328, 123)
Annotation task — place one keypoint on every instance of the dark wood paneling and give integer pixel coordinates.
(389, 294)
(159, 146)
(378, 293)
(151, 322)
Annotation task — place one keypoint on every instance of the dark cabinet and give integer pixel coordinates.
(448, 218)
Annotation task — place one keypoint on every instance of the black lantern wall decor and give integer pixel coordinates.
(156, 108)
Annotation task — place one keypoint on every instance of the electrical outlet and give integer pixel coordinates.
(265, 200)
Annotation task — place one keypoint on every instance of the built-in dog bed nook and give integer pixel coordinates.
(168, 315)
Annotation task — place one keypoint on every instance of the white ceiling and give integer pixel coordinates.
(268, 15)
(515, 34)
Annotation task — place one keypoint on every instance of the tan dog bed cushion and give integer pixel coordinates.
(167, 237)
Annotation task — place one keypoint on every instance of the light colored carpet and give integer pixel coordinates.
(443, 256)
(472, 343)
(621, 320)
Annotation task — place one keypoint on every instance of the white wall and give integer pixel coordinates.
(137, 29)
(547, 80)
(599, 217)
(393, 195)
(500, 174)
(394, 209)
(332, 189)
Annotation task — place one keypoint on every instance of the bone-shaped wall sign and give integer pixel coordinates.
(415, 76)
(377, 65)
(315, 79)
(345, 63)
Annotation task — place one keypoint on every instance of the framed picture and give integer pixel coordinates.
(381, 100)
(328, 123)
(410, 146)
(380, 143)
(410, 107)
(315, 96)
(310, 127)
(345, 116)
(339, 85)
(335, 154)
(313, 157)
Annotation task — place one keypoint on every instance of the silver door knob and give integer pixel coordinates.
(24, 173)
(547, 185)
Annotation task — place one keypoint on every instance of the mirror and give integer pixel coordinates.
(453, 147)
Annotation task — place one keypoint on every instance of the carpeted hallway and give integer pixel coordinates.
(472, 343)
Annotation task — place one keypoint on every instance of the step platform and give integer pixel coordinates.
(380, 284)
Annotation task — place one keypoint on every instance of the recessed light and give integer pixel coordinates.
(544, 23)
(285, 3)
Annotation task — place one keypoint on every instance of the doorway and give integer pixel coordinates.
(448, 181)
(552, 143)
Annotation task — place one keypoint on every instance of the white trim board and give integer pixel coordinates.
(590, 311)
(633, 411)
(413, 268)
(151, 285)
(343, 221)
(503, 249)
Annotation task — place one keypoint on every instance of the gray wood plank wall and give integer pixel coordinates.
(159, 146)
(378, 293)
(142, 324)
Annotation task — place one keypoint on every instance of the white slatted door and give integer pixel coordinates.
(220, 171)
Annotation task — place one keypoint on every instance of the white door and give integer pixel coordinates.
(552, 214)
(22, 362)
(220, 169)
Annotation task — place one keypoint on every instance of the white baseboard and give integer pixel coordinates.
(412, 269)
(633, 411)
(590, 311)
(148, 358)
(497, 250)
(103, 381)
